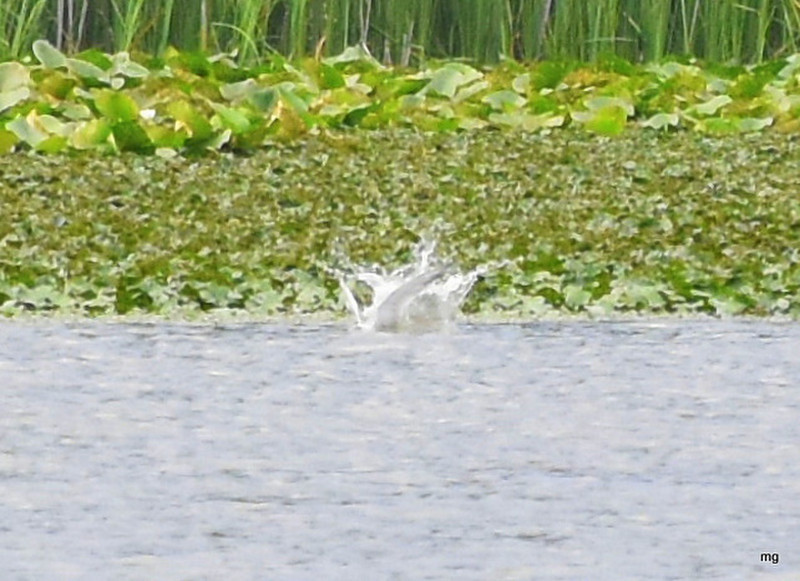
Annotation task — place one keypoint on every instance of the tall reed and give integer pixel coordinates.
(20, 25)
(127, 22)
(402, 31)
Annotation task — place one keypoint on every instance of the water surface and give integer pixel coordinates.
(627, 450)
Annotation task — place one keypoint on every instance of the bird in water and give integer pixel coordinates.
(423, 296)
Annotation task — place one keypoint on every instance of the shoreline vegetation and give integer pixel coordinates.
(187, 183)
(191, 103)
(412, 31)
(653, 223)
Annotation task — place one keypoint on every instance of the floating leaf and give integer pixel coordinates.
(298, 105)
(606, 121)
(26, 131)
(10, 98)
(233, 119)
(87, 70)
(521, 83)
(49, 55)
(166, 137)
(8, 140)
(96, 57)
(54, 125)
(504, 100)
(662, 121)
(116, 106)
(57, 84)
(239, 90)
(76, 111)
(352, 54)
(749, 124)
(330, 77)
(264, 100)
(129, 136)
(468, 91)
(713, 105)
(52, 144)
(448, 79)
(576, 297)
(527, 121)
(220, 139)
(13, 76)
(91, 134)
(605, 103)
(121, 64)
(197, 124)
(720, 125)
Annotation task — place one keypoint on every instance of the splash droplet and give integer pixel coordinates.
(425, 295)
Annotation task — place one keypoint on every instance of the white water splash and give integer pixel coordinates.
(423, 296)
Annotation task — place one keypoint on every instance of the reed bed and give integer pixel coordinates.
(409, 31)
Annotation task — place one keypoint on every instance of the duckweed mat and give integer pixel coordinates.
(645, 222)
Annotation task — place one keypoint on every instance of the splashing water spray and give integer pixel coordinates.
(422, 296)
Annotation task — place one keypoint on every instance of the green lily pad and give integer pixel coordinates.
(662, 121)
(166, 137)
(116, 106)
(298, 105)
(522, 83)
(55, 126)
(52, 144)
(239, 90)
(265, 100)
(576, 297)
(749, 124)
(448, 79)
(233, 119)
(96, 57)
(129, 136)
(526, 121)
(91, 134)
(609, 120)
(604, 103)
(87, 70)
(11, 98)
(121, 64)
(13, 76)
(8, 140)
(352, 54)
(49, 55)
(713, 105)
(57, 84)
(191, 118)
(505, 100)
(25, 131)
(330, 77)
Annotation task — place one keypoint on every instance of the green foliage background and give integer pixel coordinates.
(173, 181)
(411, 30)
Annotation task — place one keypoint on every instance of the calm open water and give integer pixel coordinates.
(576, 450)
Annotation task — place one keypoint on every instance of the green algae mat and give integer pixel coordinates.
(644, 222)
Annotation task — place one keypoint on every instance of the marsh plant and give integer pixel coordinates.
(193, 103)
(410, 30)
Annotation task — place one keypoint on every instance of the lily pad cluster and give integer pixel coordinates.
(646, 222)
(191, 103)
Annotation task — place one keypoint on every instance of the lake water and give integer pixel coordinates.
(552, 450)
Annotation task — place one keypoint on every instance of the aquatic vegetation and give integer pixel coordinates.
(408, 31)
(189, 103)
(644, 222)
